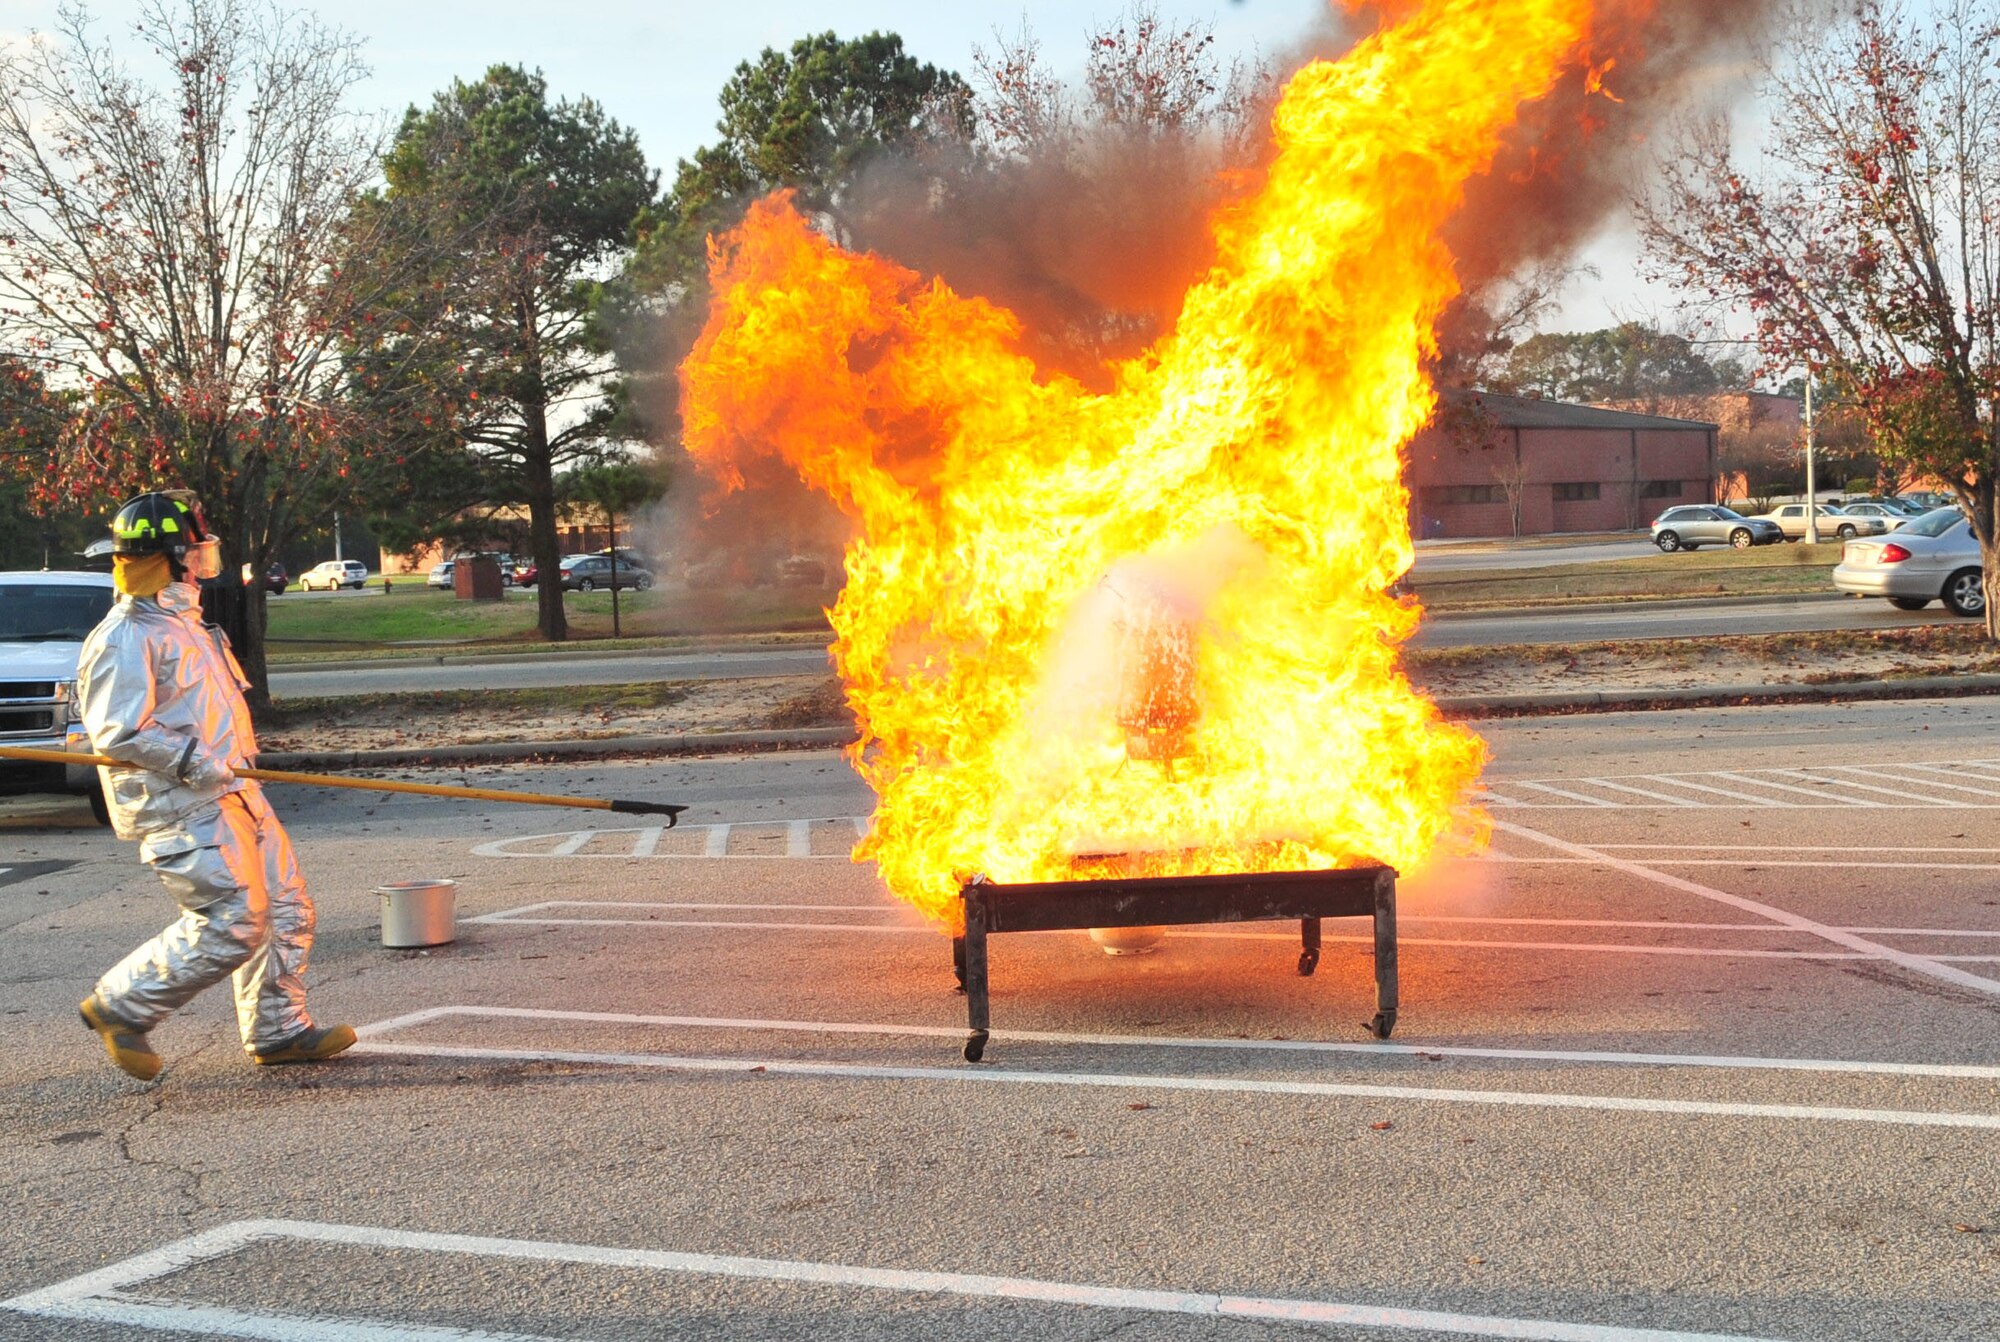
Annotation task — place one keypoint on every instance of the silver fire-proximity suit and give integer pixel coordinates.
(163, 694)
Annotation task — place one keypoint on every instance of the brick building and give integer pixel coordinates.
(1490, 461)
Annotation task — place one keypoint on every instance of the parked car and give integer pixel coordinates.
(1928, 499)
(440, 574)
(334, 573)
(1933, 558)
(276, 580)
(44, 618)
(585, 573)
(1833, 523)
(524, 573)
(1694, 525)
(1888, 515)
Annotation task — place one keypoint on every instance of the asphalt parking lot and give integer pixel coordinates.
(1705, 1046)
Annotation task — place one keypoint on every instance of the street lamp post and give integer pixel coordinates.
(1812, 493)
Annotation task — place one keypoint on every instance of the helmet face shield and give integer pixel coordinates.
(203, 560)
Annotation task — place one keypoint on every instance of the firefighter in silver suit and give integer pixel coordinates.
(163, 695)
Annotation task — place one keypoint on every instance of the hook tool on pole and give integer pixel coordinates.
(669, 810)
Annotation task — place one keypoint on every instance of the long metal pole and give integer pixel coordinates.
(1812, 493)
(667, 809)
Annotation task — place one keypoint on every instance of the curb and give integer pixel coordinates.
(1461, 706)
(510, 658)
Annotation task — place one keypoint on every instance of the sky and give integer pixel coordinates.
(657, 66)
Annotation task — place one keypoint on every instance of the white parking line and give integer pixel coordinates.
(1928, 966)
(1819, 792)
(1772, 848)
(1742, 862)
(1642, 792)
(1934, 777)
(1564, 792)
(1213, 1085)
(531, 916)
(647, 841)
(1833, 787)
(97, 1296)
(541, 915)
(1900, 794)
(1373, 1049)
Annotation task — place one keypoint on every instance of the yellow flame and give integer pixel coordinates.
(1154, 620)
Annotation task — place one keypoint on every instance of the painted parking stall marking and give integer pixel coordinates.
(1928, 966)
(815, 838)
(1936, 785)
(106, 1295)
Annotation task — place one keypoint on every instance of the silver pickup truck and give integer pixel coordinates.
(44, 618)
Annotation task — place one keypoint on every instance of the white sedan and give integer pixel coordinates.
(1891, 518)
(1935, 557)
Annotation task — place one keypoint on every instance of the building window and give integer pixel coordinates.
(1577, 491)
(1435, 496)
(1660, 489)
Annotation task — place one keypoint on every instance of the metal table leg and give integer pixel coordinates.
(1385, 959)
(977, 1018)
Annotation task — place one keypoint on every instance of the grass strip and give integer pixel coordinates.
(1770, 570)
(333, 710)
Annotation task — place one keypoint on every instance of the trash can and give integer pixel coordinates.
(418, 913)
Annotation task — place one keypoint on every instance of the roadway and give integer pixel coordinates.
(1629, 620)
(1703, 1048)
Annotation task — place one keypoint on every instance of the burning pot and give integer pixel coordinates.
(1158, 702)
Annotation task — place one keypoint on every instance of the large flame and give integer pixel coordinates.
(1155, 620)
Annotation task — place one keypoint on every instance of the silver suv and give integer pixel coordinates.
(1696, 525)
(334, 573)
(44, 618)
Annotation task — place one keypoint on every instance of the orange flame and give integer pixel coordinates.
(1593, 79)
(1154, 620)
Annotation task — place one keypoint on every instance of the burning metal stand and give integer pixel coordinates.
(1144, 901)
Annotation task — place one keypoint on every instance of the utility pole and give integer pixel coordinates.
(336, 517)
(1812, 494)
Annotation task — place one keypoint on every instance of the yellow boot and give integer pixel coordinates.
(315, 1045)
(128, 1047)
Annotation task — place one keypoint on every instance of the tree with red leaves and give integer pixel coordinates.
(1867, 246)
(181, 264)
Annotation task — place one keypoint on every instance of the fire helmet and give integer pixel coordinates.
(170, 524)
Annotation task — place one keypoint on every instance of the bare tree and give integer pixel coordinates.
(1512, 473)
(181, 258)
(1867, 249)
